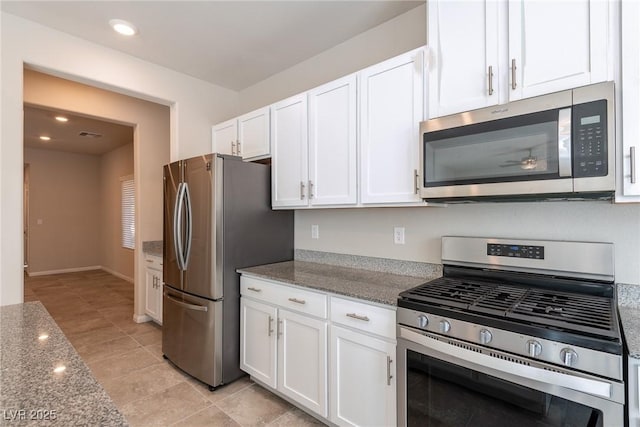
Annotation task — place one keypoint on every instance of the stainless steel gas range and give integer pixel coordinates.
(515, 333)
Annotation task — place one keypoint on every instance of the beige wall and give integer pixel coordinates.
(64, 210)
(151, 145)
(113, 257)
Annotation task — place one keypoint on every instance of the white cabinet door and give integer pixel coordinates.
(391, 107)
(258, 340)
(629, 161)
(289, 152)
(253, 134)
(302, 360)
(224, 137)
(462, 56)
(363, 379)
(153, 297)
(332, 143)
(557, 45)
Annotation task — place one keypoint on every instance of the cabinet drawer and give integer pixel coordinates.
(365, 317)
(289, 297)
(152, 261)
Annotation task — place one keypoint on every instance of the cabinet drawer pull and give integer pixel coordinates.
(149, 260)
(254, 289)
(389, 375)
(490, 80)
(513, 74)
(270, 323)
(297, 301)
(355, 316)
(632, 154)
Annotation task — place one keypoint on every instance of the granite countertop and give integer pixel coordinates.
(353, 282)
(43, 381)
(629, 310)
(152, 247)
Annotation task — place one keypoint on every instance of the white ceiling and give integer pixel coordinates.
(234, 44)
(66, 136)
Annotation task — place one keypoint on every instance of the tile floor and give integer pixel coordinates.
(95, 311)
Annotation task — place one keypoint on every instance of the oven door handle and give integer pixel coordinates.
(584, 385)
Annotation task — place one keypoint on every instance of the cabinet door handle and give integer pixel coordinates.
(238, 148)
(279, 331)
(149, 260)
(297, 301)
(254, 289)
(301, 190)
(355, 316)
(155, 280)
(490, 80)
(513, 74)
(310, 189)
(416, 179)
(389, 375)
(233, 148)
(270, 323)
(632, 154)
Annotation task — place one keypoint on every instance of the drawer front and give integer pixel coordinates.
(289, 297)
(365, 317)
(154, 262)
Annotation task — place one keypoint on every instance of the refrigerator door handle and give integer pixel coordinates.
(184, 304)
(188, 226)
(177, 226)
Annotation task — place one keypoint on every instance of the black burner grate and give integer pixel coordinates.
(567, 311)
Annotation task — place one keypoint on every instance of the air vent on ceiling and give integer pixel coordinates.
(90, 134)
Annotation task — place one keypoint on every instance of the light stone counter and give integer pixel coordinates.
(152, 247)
(629, 309)
(43, 381)
(363, 284)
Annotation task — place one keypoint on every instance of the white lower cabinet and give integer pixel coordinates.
(282, 344)
(153, 288)
(363, 379)
(333, 356)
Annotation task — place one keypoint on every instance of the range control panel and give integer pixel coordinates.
(515, 251)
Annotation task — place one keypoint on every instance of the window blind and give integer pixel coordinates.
(128, 214)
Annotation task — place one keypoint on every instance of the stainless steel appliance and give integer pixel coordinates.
(560, 145)
(217, 218)
(515, 333)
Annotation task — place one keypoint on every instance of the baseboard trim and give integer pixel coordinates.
(64, 270)
(141, 318)
(118, 275)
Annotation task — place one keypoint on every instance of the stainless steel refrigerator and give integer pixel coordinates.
(217, 218)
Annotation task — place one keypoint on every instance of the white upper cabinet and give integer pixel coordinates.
(289, 169)
(490, 52)
(332, 143)
(556, 45)
(391, 98)
(224, 137)
(246, 136)
(629, 158)
(253, 134)
(462, 56)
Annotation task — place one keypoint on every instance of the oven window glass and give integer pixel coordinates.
(445, 395)
(512, 149)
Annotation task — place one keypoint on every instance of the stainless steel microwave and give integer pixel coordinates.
(560, 145)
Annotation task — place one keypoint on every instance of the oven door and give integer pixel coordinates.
(444, 382)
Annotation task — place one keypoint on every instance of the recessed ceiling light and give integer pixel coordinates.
(62, 119)
(43, 337)
(45, 138)
(123, 27)
(60, 369)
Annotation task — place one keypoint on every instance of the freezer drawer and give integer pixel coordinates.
(192, 335)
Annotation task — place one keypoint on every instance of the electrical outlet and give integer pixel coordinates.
(315, 231)
(398, 235)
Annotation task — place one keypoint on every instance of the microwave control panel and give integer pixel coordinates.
(590, 139)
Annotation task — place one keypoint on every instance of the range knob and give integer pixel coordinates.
(568, 357)
(445, 326)
(534, 348)
(485, 336)
(423, 321)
